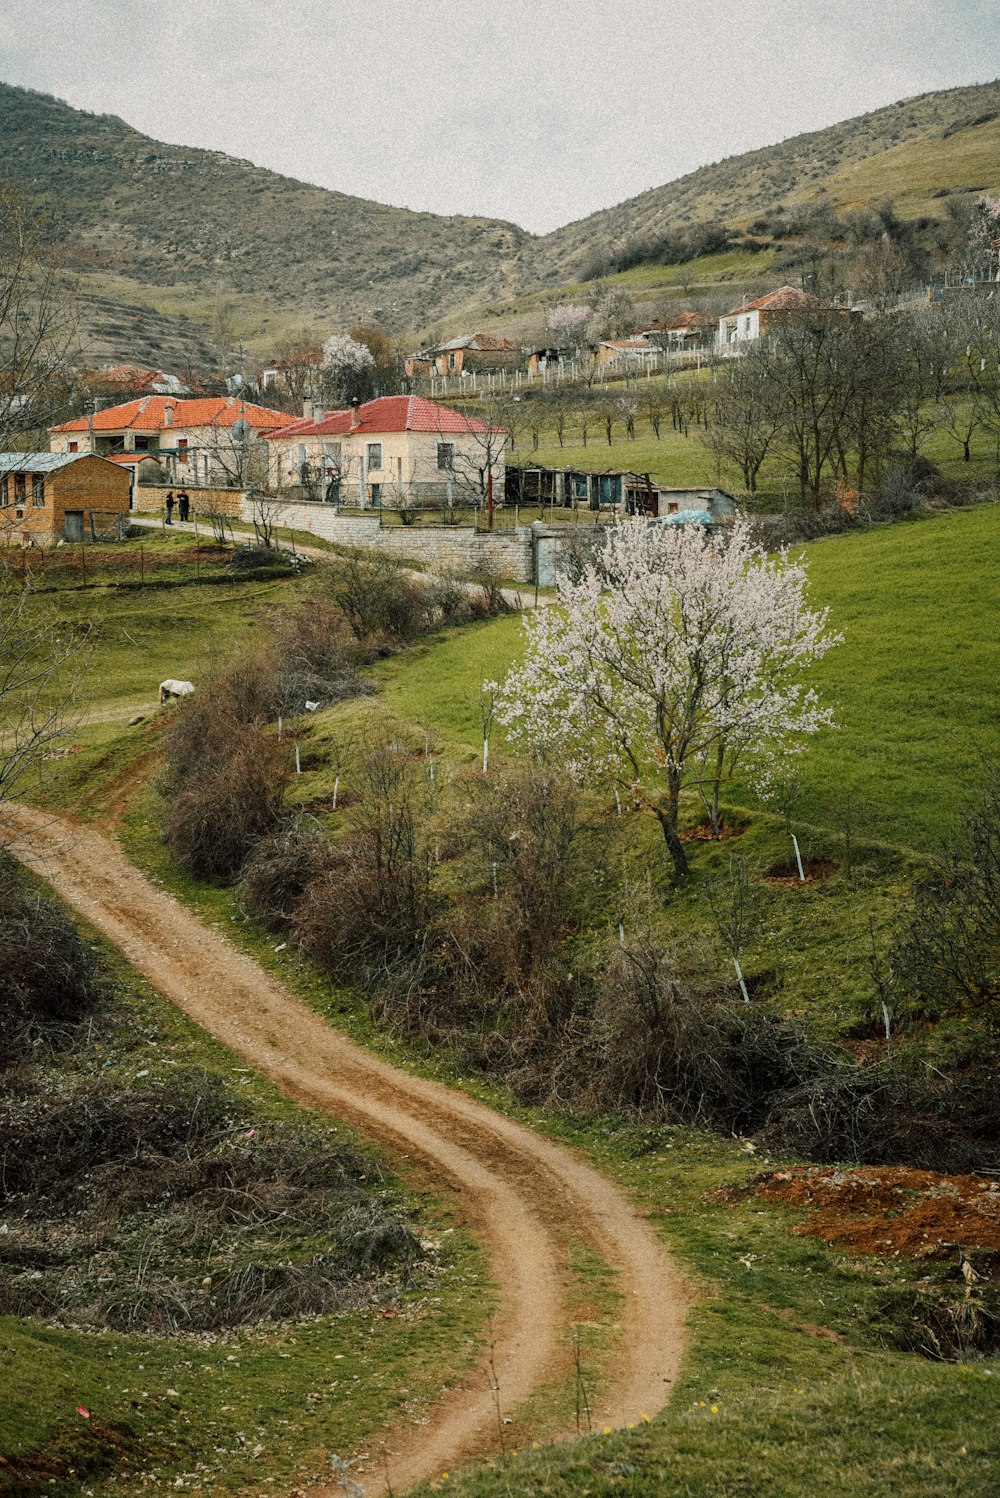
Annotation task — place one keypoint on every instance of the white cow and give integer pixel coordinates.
(171, 688)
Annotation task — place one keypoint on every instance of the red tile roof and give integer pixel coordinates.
(389, 413)
(149, 415)
(776, 301)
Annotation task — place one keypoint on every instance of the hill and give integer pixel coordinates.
(179, 250)
(917, 151)
(133, 210)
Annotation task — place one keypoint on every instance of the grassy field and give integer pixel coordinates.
(225, 1412)
(790, 1385)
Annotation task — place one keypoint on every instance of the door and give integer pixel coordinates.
(73, 525)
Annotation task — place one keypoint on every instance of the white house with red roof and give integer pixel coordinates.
(396, 450)
(214, 440)
(749, 322)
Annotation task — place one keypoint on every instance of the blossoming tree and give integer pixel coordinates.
(674, 656)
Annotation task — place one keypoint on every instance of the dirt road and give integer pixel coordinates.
(526, 1199)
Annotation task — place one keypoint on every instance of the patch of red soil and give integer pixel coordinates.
(704, 833)
(786, 875)
(886, 1209)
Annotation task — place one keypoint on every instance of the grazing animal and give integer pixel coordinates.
(171, 688)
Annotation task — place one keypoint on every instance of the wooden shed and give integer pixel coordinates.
(50, 497)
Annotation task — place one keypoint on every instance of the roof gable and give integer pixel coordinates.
(150, 415)
(387, 413)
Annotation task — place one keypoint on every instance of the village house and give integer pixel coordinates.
(137, 380)
(472, 353)
(50, 497)
(213, 440)
(395, 450)
(546, 361)
(749, 322)
(680, 331)
(637, 352)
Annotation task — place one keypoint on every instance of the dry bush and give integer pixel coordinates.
(316, 656)
(535, 864)
(232, 801)
(372, 903)
(167, 1177)
(49, 978)
(203, 730)
(276, 872)
(664, 1044)
(378, 598)
(889, 1114)
(948, 959)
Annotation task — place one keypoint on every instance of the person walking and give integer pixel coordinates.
(170, 507)
(183, 505)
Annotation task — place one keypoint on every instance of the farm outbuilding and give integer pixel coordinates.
(50, 497)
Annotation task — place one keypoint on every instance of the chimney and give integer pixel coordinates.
(168, 413)
(355, 414)
(307, 410)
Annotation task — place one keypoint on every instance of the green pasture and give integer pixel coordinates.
(913, 685)
(789, 1386)
(683, 460)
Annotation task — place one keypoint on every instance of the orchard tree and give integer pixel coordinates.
(671, 659)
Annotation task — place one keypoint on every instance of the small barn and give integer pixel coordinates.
(50, 497)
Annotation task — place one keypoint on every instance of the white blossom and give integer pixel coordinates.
(673, 657)
(341, 352)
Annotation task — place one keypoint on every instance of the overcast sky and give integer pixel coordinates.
(538, 111)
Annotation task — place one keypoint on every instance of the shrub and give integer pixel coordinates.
(167, 1174)
(372, 904)
(666, 1045)
(888, 1114)
(948, 958)
(314, 657)
(278, 869)
(233, 799)
(49, 978)
(378, 599)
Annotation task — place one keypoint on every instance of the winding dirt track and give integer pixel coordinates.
(525, 1198)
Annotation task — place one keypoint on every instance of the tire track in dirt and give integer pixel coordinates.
(525, 1198)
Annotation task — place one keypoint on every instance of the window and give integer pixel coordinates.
(182, 449)
(451, 361)
(37, 489)
(4, 501)
(373, 455)
(446, 455)
(332, 458)
(73, 447)
(19, 489)
(142, 444)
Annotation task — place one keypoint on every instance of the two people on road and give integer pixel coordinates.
(183, 506)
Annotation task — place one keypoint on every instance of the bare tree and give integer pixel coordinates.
(37, 325)
(478, 454)
(37, 684)
(746, 415)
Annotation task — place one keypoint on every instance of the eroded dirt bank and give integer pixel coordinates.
(525, 1198)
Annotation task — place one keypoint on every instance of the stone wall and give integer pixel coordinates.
(150, 499)
(459, 548)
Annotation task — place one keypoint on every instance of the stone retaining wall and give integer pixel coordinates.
(459, 548)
